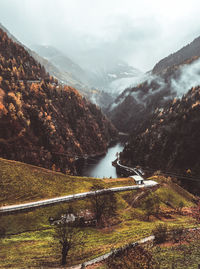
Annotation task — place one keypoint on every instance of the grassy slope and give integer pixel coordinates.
(182, 256)
(173, 193)
(22, 182)
(129, 224)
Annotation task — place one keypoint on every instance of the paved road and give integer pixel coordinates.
(129, 169)
(29, 206)
(67, 198)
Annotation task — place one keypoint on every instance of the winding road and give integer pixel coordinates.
(47, 202)
(42, 203)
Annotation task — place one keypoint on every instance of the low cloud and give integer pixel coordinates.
(139, 32)
(189, 77)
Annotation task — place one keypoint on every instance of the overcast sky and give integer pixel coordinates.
(139, 31)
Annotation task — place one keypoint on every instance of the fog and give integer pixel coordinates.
(140, 32)
(190, 77)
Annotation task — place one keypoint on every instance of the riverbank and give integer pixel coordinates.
(101, 166)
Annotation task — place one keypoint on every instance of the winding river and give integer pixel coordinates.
(102, 166)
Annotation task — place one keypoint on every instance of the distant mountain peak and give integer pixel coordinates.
(190, 51)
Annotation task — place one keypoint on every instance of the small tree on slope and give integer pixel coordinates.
(68, 235)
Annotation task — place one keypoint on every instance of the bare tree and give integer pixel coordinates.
(103, 205)
(67, 234)
(160, 233)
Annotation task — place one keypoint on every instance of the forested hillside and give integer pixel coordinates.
(171, 140)
(42, 122)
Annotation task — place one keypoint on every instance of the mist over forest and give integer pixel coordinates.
(99, 134)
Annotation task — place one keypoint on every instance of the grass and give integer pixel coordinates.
(181, 256)
(32, 247)
(22, 183)
(38, 248)
(173, 193)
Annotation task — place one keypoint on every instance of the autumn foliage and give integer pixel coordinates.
(42, 122)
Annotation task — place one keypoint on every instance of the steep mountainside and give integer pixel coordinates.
(171, 140)
(65, 70)
(69, 73)
(62, 74)
(137, 104)
(42, 122)
(190, 51)
(101, 80)
(61, 61)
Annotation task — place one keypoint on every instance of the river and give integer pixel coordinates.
(102, 166)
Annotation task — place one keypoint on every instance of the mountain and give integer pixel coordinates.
(63, 76)
(100, 79)
(135, 105)
(70, 73)
(190, 51)
(171, 140)
(106, 71)
(63, 63)
(64, 71)
(171, 77)
(42, 122)
(111, 76)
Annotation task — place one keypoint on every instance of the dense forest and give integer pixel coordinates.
(171, 140)
(42, 122)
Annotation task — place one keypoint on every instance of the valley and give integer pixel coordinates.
(99, 161)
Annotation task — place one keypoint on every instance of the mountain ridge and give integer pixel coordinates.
(189, 51)
(162, 84)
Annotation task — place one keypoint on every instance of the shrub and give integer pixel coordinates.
(151, 205)
(160, 233)
(176, 233)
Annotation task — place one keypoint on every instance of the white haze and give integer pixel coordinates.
(117, 86)
(139, 32)
(190, 77)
